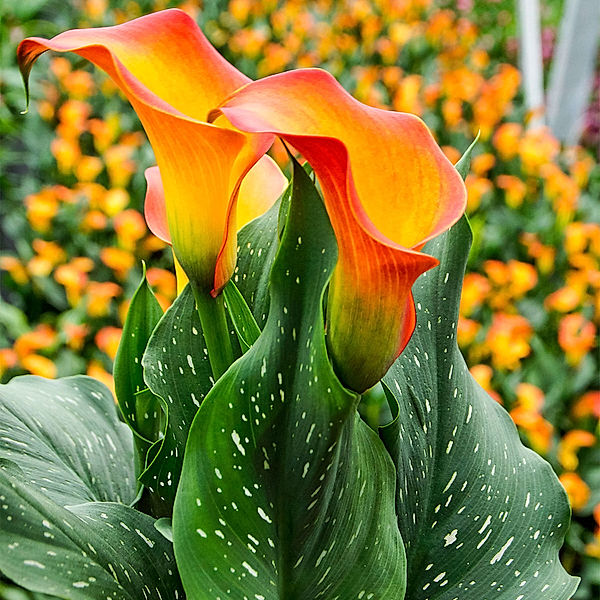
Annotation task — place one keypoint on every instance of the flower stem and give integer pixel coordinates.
(216, 331)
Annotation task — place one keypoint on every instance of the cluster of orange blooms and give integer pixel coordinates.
(100, 209)
(406, 55)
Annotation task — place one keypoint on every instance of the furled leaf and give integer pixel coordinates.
(141, 412)
(285, 492)
(93, 551)
(482, 516)
(66, 437)
(165, 528)
(245, 325)
(464, 163)
(177, 370)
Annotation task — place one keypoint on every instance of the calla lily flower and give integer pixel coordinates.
(173, 76)
(388, 189)
(263, 184)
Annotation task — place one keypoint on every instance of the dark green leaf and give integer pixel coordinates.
(165, 528)
(285, 492)
(257, 247)
(177, 370)
(93, 551)
(464, 163)
(9, 591)
(66, 437)
(482, 516)
(245, 325)
(141, 413)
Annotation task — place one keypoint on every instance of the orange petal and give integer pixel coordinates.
(155, 211)
(388, 189)
(165, 51)
(259, 190)
(172, 76)
(261, 187)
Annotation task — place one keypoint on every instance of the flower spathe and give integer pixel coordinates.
(388, 189)
(263, 184)
(173, 76)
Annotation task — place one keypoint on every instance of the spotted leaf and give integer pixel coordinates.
(141, 411)
(482, 516)
(257, 246)
(177, 370)
(86, 552)
(285, 492)
(66, 437)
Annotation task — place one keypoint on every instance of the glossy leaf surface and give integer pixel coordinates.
(87, 552)
(177, 370)
(285, 492)
(482, 516)
(66, 437)
(243, 320)
(141, 412)
(257, 247)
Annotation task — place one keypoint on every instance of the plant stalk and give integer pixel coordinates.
(215, 329)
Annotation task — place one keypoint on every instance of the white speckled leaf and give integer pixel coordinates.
(93, 551)
(285, 492)
(482, 516)
(257, 247)
(66, 437)
(177, 370)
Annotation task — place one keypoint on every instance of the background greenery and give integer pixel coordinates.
(72, 193)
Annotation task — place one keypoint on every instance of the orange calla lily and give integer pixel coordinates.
(388, 189)
(173, 76)
(263, 184)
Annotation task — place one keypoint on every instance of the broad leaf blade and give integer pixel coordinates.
(177, 370)
(66, 437)
(481, 515)
(285, 492)
(90, 551)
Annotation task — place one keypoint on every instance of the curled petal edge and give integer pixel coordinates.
(370, 301)
(235, 151)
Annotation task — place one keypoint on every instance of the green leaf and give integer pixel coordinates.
(177, 370)
(93, 551)
(245, 325)
(464, 163)
(481, 515)
(8, 591)
(257, 247)
(285, 492)
(165, 528)
(66, 437)
(141, 412)
(13, 320)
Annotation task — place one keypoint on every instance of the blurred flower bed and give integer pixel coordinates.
(73, 188)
